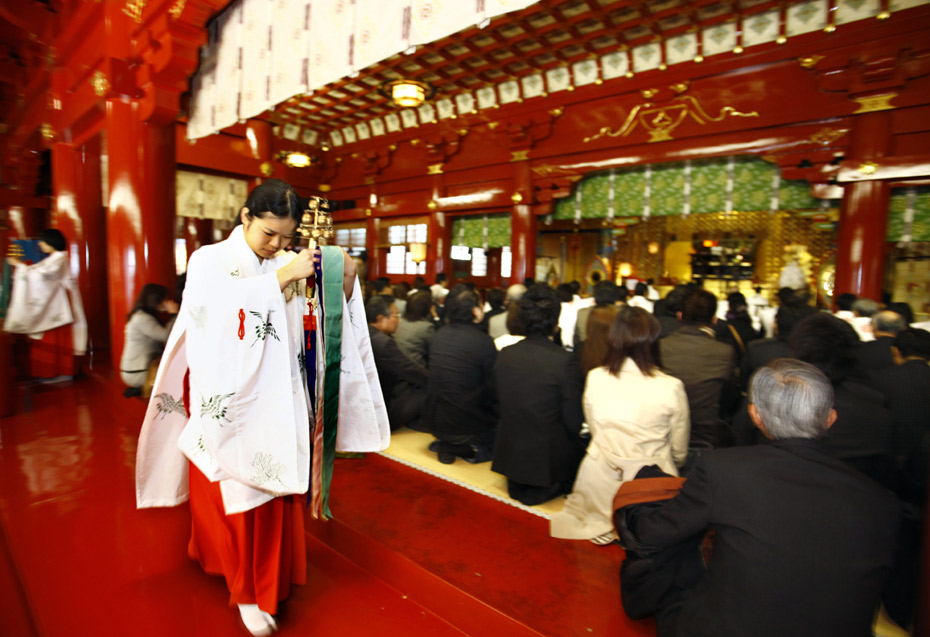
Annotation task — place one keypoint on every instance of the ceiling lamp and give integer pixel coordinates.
(406, 93)
(295, 159)
(418, 252)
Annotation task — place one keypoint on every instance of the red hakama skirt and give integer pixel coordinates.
(53, 355)
(260, 552)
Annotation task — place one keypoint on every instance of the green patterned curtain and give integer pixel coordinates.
(708, 186)
(752, 189)
(668, 190)
(913, 225)
(469, 231)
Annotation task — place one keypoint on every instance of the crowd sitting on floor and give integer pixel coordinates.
(574, 397)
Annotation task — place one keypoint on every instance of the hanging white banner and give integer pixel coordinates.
(256, 58)
(290, 53)
(380, 31)
(332, 28)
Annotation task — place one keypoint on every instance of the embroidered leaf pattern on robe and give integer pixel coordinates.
(199, 315)
(264, 329)
(202, 447)
(265, 469)
(301, 359)
(169, 404)
(235, 273)
(214, 408)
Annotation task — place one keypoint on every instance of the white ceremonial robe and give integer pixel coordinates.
(45, 296)
(249, 427)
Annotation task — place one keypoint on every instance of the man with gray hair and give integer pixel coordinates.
(803, 544)
(497, 325)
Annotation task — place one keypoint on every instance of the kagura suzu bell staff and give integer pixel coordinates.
(236, 437)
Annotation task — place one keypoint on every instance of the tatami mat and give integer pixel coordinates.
(412, 449)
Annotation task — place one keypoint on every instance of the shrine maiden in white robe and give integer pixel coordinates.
(44, 297)
(249, 428)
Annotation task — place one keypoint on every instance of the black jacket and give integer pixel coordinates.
(540, 389)
(803, 543)
(461, 399)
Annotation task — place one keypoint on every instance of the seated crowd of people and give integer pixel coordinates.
(577, 397)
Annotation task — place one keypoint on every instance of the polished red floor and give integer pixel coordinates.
(407, 554)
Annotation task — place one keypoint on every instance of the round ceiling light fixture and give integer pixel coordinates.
(406, 93)
(295, 159)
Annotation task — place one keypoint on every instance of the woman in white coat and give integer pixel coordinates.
(638, 416)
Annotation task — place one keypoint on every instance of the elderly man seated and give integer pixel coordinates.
(403, 382)
(803, 543)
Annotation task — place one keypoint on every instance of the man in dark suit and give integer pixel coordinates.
(403, 382)
(907, 386)
(803, 544)
(862, 435)
(706, 366)
(461, 400)
(760, 352)
(876, 355)
(538, 446)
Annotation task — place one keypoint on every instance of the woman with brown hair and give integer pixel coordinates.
(638, 416)
(594, 348)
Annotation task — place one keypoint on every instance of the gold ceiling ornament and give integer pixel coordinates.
(99, 81)
(884, 15)
(738, 50)
(649, 93)
(516, 197)
(266, 169)
(827, 135)
(48, 133)
(661, 120)
(519, 155)
(548, 171)
(134, 9)
(679, 88)
(324, 188)
(810, 61)
(177, 9)
(557, 112)
(781, 39)
(873, 103)
(432, 205)
(868, 168)
(699, 58)
(434, 169)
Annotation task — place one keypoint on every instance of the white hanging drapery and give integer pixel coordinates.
(261, 53)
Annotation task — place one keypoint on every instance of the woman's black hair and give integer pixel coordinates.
(54, 238)
(150, 297)
(275, 197)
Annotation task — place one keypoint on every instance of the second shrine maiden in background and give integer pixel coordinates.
(245, 450)
(45, 303)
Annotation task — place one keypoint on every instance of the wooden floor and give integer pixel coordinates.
(407, 553)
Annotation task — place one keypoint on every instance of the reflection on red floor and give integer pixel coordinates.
(426, 557)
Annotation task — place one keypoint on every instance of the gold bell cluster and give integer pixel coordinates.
(316, 223)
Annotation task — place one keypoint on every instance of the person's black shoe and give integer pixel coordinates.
(446, 457)
(434, 446)
(132, 392)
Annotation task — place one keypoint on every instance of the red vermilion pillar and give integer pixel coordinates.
(78, 212)
(141, 210)
(522, 227)
(438, 247)
(860, 241)
(197, 233)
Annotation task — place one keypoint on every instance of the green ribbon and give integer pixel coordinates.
(332, 264)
